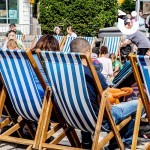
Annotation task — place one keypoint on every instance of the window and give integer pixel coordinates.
(9, 11)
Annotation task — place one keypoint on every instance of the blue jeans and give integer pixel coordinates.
(119, 113)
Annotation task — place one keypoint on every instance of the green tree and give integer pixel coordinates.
(86, 16)
(128, 6)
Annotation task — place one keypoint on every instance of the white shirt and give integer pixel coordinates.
(141, 22)
(72, 35)
(107, 66)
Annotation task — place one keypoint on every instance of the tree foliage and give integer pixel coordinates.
(128, 6)
(86, 16)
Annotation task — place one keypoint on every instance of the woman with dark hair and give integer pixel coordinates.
(45, 43)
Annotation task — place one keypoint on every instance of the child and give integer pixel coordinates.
(106, 62)
(107, 70)
(98, 66)
(12, 45)
(117, 66)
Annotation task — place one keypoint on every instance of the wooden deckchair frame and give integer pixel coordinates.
(61, 44)
(6, 136)
(104, 108)
(143, 99)
(118, 50)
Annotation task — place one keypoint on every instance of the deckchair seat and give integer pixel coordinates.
(71, 95)
(113, 44)
(20, 83)
(66, 47)
(91, 40)
(19, 37)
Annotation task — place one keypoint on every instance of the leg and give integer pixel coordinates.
(137, 125)
(142, 51)
(86, 139)
(122, 111)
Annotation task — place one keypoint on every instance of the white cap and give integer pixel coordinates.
(93, 55)
(133, 13)
(121, 13)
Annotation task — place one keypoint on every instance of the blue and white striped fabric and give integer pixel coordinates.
(17, 74)
(59, 38)
(19, 37)
(113, 44)
(91, 40)
(144, 63)
(67, 78)
(66, 47)
(38, 37)
(123, 73)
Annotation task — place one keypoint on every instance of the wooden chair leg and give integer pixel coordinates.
(73, 138)
(2, 102)
(14, 121)
(41, 133)
(2, 99)
(137, 124)
(99, 121)
(3, 95)
(147, 146)
(29, 147)
(114, 129)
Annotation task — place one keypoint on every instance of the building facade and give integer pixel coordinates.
(146, 8)
(18, 12)
(14, 11)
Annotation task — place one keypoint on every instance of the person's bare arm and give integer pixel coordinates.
(23, 37)
(116, 70)
(126, 42)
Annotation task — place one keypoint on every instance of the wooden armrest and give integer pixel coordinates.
(114, 94)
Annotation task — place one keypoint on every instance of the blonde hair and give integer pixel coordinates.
(12, 44)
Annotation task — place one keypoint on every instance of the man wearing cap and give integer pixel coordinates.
(138, 38)
(18, 32)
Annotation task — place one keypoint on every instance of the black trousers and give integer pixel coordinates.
(142, 51)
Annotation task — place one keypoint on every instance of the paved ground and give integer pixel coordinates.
(8, 146)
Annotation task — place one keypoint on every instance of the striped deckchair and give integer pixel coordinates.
(113, 44)
(61, 40)
(38, 37)
(66, 76)
(123, 74)
(19, 37)
(20, 74)
(66, 47)
(91, 40)
(141, 75)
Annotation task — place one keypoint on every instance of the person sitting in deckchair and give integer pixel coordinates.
(119, 111)
(12, 45)
(117, 66)
(12, 35)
